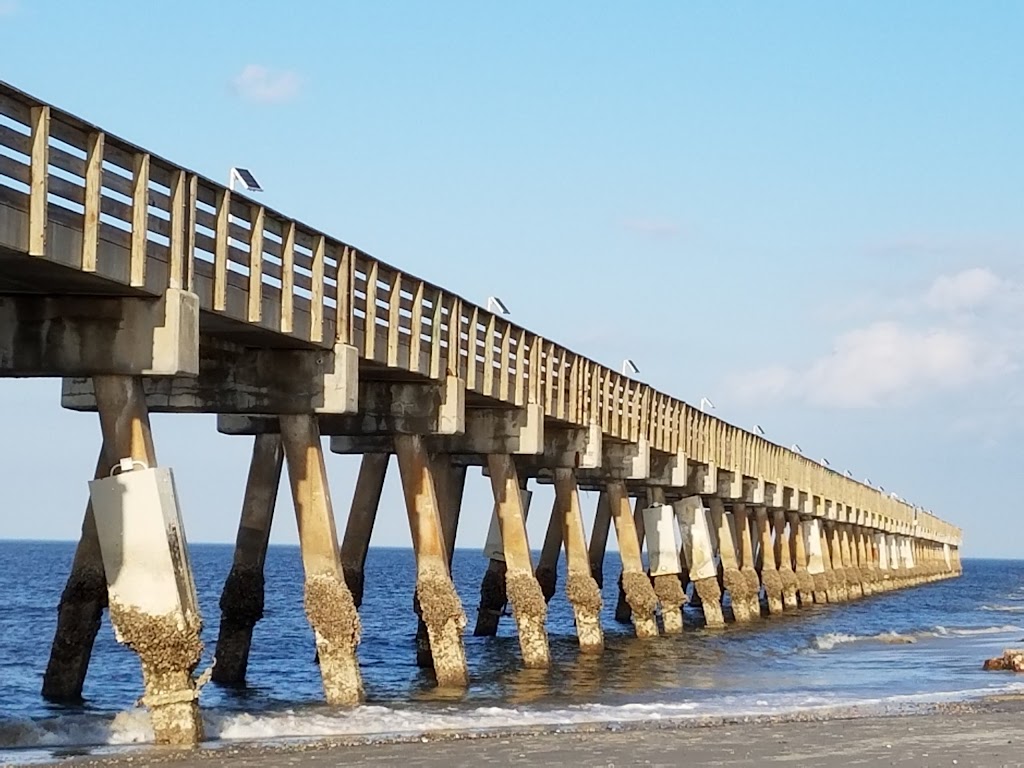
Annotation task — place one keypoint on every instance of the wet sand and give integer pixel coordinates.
(985, 733)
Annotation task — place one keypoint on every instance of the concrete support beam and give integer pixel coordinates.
(838, 569)
(580, 587)
(440, 604)
(241, 602)
(152, 597)
(734, 581)
(623, 611)
(700, 555)
(385, 408)
(449, 484)
(804, 581)
(91, 336)
(853, 583)
(361, 517)
(547, 566)
(493, 588)
(867, 571)
(329, 605)
(241, 380)
(80, 611)
(784, 557)
(815, 559)
(741, 518)
(637, 585)
(769, 568)
(665, 567)
(832, 587)
(528, 605)
(599, 537)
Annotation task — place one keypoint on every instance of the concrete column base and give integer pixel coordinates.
(642, 601)
(820, 587)
(78, 617)
(241, 605)
(753, 590)
(332, 615)
(804, 586)
(445, 620)
(672, 598)
(737, 586)
(585, 598)
(789, 587)
(711, 600)
(530, 612)
(773, 589)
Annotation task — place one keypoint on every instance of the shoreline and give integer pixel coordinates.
(986, 731)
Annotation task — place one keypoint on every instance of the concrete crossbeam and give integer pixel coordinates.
(243, 380)
(56, 336)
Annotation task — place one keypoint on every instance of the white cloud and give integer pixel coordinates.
(890, 361)
(969, 289)
(261, 85)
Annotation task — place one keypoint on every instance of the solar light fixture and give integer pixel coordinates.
(825, 462)
(494, 304)
(758, 430)
(245, 178)
(628, 366)
(705, 403)
(796, 447)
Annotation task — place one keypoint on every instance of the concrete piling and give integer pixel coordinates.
(373, 468)
(547, 566)
(636, 584)
(528, 605)
(815, 558)
(493, 586)
(450, 484)
(152, 598)
(734, 581)
(439, 602)
(784, 556)
(665, 563)
(241, 602)
(580, 587)
(599, 538)
(79, 613)
(853, 584)
(700, 556)
(769, 568)
(328, 602)
(804, 581)
(741, 517)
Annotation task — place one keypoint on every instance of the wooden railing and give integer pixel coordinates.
(138, 220)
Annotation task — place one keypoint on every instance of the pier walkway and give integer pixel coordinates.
(147, 288)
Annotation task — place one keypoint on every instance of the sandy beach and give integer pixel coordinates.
(985, 733)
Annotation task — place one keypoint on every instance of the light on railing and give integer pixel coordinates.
(825, 462)
(705, 403)
(494, 304)
(758, 430)
(628, 366)
(796, 447)
(245, 177)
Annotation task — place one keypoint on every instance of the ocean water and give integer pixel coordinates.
(915, 645)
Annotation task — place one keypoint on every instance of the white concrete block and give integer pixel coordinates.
(693, 524)
(142, 542)
(662, 544)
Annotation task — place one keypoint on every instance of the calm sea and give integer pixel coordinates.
(923, 644)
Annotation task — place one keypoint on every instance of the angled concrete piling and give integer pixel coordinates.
(636, 584)
(330, 609)
(79, 613)
(528, 605)
(580, 587)
(440, 604)
(241, 602)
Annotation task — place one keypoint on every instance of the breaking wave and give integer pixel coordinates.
(831, 640)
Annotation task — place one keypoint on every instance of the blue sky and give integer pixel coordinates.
(811, 213)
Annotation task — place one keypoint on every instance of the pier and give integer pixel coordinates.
(148, 288)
